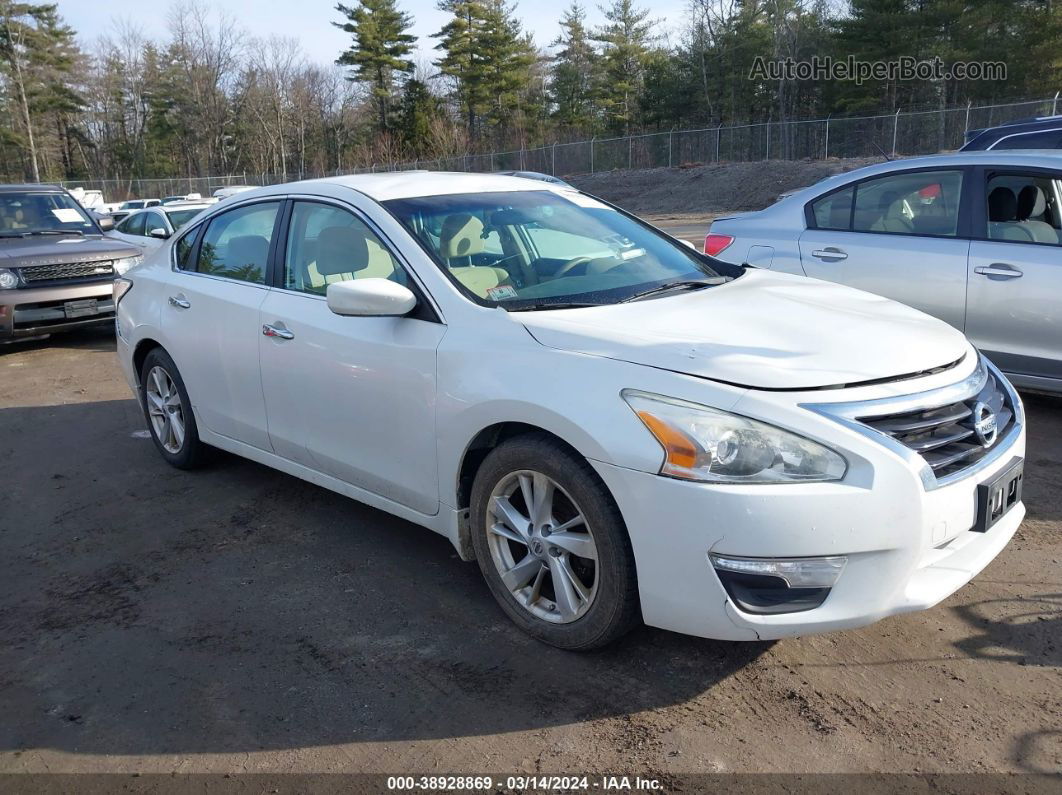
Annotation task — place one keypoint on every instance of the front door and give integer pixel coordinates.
(353, 397)
(1014, 299)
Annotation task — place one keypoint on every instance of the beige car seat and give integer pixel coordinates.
(462, 237)
(1002, 215)
(1031, 206)
(892, 218)
(344, 253)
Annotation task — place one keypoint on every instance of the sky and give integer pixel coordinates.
(308, 20)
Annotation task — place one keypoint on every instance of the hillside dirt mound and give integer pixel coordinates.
(712, 189)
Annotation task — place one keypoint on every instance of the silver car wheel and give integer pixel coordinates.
(165, 410)
(542, 547)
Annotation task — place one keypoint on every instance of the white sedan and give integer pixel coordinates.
(624, 430)
(148, 229)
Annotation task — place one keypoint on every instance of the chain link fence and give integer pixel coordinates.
(896, 134)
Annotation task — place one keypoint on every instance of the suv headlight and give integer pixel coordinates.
(706, 444)
(124, 264)
(8, 279)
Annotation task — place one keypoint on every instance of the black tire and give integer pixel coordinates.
(614, 609)
(192, 453)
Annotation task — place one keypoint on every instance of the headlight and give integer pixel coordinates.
(702, 443)
(8, 279)
(122, 265)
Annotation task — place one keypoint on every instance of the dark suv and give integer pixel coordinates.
(56, 267)
(1040, 133)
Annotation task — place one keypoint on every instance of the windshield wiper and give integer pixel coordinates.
(689, 284)
(551, 305)
(54, 232)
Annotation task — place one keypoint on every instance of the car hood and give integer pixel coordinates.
(763, 330)
(49, 250)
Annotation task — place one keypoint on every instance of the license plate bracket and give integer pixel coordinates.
(83, 308)
(997, 496)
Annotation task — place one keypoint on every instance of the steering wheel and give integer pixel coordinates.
(571, 265)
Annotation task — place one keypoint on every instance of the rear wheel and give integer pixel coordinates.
(552, 545)
(169, 412)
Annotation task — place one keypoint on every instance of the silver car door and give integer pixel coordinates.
(1014, 299)
(897, 235)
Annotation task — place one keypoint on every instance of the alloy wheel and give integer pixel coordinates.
(165, 410)
(542, 547)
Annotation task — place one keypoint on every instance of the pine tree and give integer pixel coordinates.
(625, 40)
(37, 55)
(573, 72)
(489, 59)
(418, 111)
(380, 49)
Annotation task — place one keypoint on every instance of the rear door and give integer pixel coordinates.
(1014, 301)
(211, 318)
(902, 235)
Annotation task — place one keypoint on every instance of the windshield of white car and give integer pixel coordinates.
(526, 250)
(43, 213)
(134, 204)
(180, 217)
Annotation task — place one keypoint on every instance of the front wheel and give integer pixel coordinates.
(552, 545)
(169, 412)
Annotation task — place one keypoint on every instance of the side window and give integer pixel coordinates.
(236, 244)
(133, 225)
(918, 203)
(153, 221)
(328, 244)
(1023, 209)
(1048, 139)
(834, 211)
(184, 250)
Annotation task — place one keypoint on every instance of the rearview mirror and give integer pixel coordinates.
(159, 232)
(370, 298)
(106, 224)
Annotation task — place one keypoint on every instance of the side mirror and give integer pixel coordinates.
(370, 298)
(105, 223)
(159, 232)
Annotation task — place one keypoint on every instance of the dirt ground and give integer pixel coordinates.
(240, 620)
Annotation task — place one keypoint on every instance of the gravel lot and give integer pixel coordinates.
(237, 619)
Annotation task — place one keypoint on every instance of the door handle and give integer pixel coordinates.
(180, 301)
(999, 269)
(830, 253)
(279, 332)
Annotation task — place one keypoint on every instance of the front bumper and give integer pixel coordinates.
(908, 547)
(34, 311)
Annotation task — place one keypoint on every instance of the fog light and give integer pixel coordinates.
(777, 585)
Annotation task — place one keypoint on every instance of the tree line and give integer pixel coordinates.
(209, 99)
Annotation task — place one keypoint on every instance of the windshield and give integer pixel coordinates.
(42, 213)
(135, 204)
(533, 249)
(180, 217)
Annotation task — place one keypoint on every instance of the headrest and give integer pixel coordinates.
(1002, 205)
(1031, 203)
(462, 236)
(888, 198)
(247, 250)
(341, 249)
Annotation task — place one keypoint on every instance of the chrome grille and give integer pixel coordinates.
(68, 270)
(947, 436)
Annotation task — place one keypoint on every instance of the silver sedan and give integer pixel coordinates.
(972, 238)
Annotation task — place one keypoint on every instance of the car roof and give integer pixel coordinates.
(31, 186)
(413, 184)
